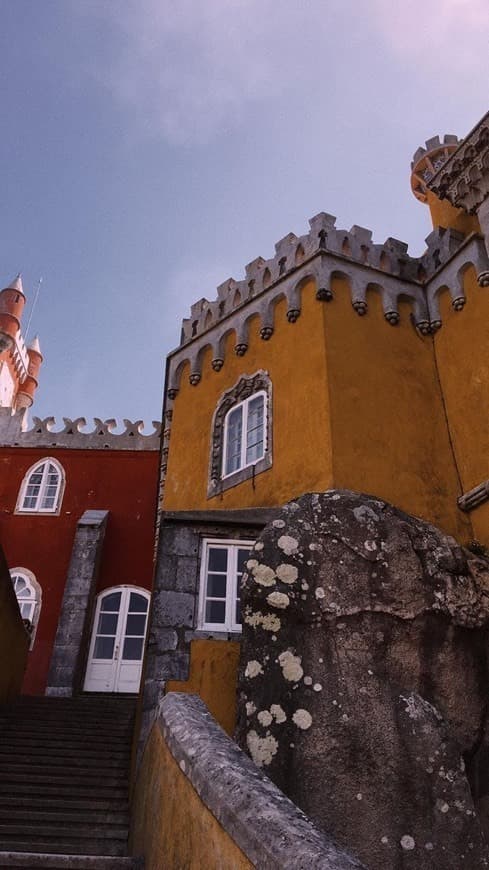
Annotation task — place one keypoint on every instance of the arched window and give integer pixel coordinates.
(29, 594)
(42, 488)
(241, 438)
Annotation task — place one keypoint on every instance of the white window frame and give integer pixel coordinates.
(232, 546)
(31, 581)
(244, 434)
(46, 461)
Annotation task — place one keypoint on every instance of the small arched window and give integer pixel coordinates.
(28, 594)
(42, 488)
(241, 437)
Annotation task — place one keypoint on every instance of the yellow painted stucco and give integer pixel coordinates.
(295, 361)
(171, 827)
(213, 676)
(444, 214)
(357, 404)
(462, 346)
(388, 424)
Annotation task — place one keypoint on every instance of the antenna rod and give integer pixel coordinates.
(32, 309)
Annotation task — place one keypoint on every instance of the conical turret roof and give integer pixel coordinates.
(16, 284)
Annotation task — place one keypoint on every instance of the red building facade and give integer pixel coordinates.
(77, 523)
(122, 482)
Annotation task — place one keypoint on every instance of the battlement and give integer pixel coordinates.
(395, 277)
(43, 433)
(324, 241)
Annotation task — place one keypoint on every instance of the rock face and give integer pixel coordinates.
(364, 680)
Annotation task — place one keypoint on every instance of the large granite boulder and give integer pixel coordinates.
(364, 680)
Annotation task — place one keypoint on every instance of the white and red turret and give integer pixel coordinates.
(19, 365)
(25, 393)
(12, 301)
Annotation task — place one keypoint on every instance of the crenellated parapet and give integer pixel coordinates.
(102, 434)
(323, 255)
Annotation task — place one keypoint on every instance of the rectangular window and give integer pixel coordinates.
(223, 563)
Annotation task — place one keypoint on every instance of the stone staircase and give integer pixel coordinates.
(64, 782)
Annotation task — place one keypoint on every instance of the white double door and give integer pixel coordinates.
(116, 652)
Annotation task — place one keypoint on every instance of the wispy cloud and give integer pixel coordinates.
(190, 69)
(448, 38)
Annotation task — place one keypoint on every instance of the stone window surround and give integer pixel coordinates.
(55, 511)
(245, 387)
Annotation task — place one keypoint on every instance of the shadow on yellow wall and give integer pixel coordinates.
(213, 676)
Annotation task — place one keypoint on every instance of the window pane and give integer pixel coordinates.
(215, 612)
(136, 624)
(26, 609)
(107, 623)
(234, 426)
(243, 556)
(238, 612)
(218, 559)
(138, 603)
(133, 649)
(104, 648)
(216, 585)
(112, 602)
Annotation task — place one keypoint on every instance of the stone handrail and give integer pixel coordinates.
(266, 826)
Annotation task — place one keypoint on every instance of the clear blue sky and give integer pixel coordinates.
(150, 149)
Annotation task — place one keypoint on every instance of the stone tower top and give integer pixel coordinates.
(428, 160)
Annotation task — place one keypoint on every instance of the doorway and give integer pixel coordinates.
(116, 652)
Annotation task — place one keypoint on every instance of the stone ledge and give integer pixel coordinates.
(268, 828)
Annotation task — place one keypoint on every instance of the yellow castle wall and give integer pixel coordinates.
(389, 431)
(296, 362)
(356, 404)
(444, 214)
(462, 346)
(171, 826)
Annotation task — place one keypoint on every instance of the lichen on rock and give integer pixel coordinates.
(389, 622)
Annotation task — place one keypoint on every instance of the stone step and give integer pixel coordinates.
(31, 861)
(63, 802)
(66, 789)
(63, 846)
(111, 702)
(61, 816)
(71, 719)
(46, 744)
(18, 715)
(70, 760)
(30, 731)
(60, 832)
(76, 776)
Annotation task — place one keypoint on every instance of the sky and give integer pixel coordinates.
(150, 149)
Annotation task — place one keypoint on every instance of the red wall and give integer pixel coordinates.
(122, 482)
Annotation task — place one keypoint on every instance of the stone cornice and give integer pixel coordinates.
(464, 177)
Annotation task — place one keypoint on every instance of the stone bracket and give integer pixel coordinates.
(474, 497)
